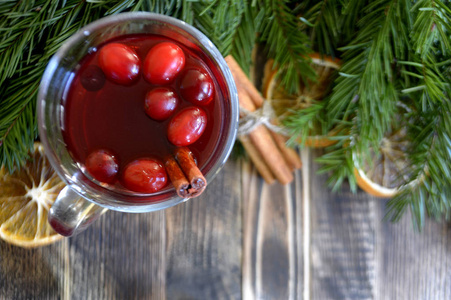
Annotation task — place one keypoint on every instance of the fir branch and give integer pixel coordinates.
(429, 188)
(305, 122)
(287, 44)
(397, 53)
(324, 19)
(52, 25)
(365, 89)
(219, 20)
(187, 13)
(18, 128)
(427, 194)
(341, 155)
(351, 13)
(120, 6)
(432, 24)
(21, 28)
(426, 83)
(245, 37)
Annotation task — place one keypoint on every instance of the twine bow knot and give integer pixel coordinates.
(261, 116)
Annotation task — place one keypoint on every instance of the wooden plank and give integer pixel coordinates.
(343, 242)
(272, 255)
(304, 213)
(357, 255)
(204, 241)
(412, 265)
(33, 273)
(120, 257)
(273, 245)
(194, 250)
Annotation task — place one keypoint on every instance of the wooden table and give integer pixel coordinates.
(242, 239)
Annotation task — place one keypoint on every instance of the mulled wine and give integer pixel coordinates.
(135, 100)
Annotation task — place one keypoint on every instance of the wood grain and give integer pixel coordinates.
(271, 252)
(32, 273)
(204, 242)
(343, 243)
(121, 257)
(242, 240)
(413, 265)
(357, 255)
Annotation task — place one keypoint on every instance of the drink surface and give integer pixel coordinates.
(113, 117)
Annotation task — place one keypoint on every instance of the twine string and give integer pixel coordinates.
(261, 116)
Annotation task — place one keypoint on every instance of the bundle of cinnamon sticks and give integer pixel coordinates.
(267, 149)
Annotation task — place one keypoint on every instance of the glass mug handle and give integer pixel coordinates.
(71, 213)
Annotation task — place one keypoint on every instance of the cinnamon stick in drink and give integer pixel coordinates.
(185, 158)
(188, 180)
(177, 177)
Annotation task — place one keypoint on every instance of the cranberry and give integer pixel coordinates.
(197, 86)
(187, 126)
(163, 62)
(161, 103)
(92, 78)
(102, 165)
(119, 62)
(145, 175)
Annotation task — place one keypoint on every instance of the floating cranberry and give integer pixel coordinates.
(119, 62)
(92, 78)
(187, 126)
(161, 103)
(197, 86)
(163, 62)
(102, 165)
(145, 175)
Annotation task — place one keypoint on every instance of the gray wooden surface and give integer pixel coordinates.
(242, 239)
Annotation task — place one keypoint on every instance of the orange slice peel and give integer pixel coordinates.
(26, 196)
(284, 102)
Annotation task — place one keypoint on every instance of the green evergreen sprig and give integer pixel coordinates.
(429, 190)
(32, 31)
(287, 44)
(395, 55)
(411, 70)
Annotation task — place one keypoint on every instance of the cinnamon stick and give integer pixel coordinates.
(248, 102)
(177, 177)
(242, 78)
(188, 165)
(250, 99)
(188, 180)
(262, 139)
(290, 155)
(257, 160)
(263, 142)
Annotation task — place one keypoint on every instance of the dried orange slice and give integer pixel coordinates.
(283, 102)
(26, 196)
(389, 167)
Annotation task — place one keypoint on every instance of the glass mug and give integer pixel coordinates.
(82, 201)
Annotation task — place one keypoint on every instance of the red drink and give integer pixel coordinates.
(103, 114)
